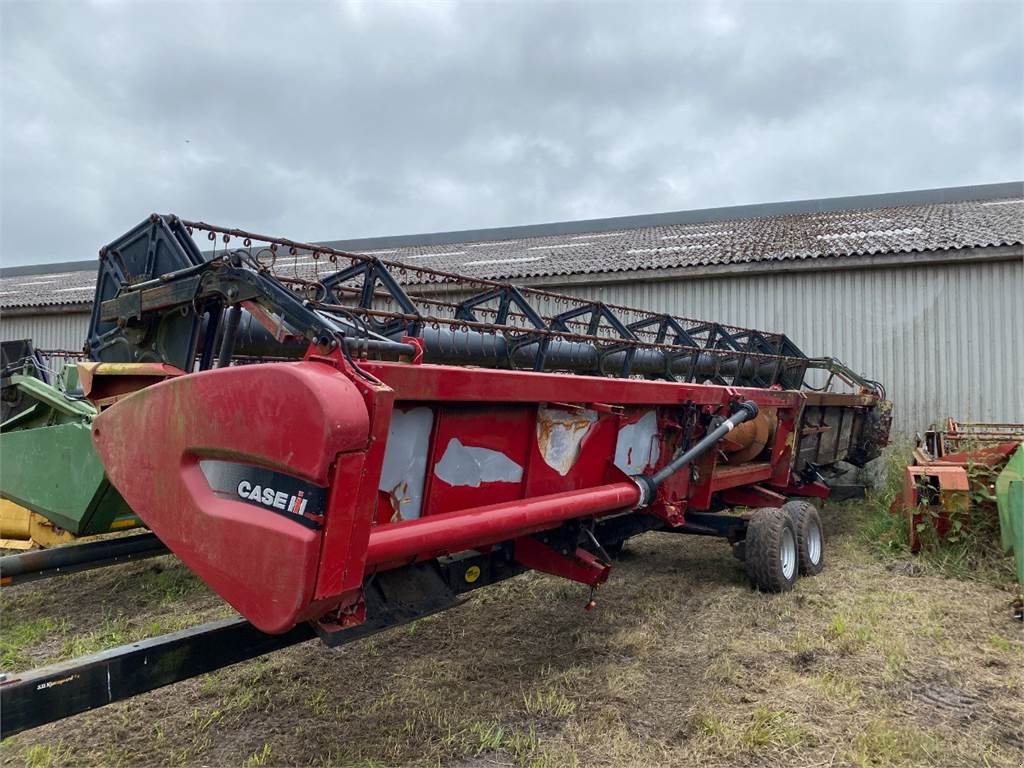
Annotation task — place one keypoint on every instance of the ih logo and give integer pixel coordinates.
(268, 497)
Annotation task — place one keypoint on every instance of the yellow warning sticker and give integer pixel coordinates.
(472, 573)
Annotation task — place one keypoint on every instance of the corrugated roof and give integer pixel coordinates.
(901, 229)
(47, 289)
(928, 227)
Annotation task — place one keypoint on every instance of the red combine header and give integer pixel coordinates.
(335, 443)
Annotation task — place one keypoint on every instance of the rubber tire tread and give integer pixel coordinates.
(805, 515)
(763, 543)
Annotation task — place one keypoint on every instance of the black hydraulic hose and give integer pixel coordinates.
(649, 483)
(227, 343)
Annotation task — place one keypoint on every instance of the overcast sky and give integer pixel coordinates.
(332, 120)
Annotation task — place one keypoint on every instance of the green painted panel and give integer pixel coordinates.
(55, 472)
(1010, 497)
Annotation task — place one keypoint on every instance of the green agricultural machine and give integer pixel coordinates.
(52, 484)
(1010, 498)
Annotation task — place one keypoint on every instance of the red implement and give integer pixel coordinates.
(240, 488)
(294, 480)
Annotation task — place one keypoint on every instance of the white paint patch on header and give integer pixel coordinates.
(470, 466)
(405, 460)
(560, 434)
(637, 446)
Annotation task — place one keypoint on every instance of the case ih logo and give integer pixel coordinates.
(268, 497)
(282, 494)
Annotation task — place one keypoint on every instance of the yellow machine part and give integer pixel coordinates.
(21, 528)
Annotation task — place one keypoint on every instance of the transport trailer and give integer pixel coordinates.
(336, 444)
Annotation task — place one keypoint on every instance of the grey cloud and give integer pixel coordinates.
(335, 120)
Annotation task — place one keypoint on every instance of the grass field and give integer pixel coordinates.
(881, 660)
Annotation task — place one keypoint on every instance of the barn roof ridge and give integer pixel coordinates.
(932, 220)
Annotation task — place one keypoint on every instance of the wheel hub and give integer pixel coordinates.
(787, 553)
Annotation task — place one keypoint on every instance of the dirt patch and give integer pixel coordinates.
(680, 663)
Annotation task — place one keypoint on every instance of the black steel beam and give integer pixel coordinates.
(34, 698)
(45, 563)
(30, 699)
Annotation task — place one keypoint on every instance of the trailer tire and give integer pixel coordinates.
(809, 536)
(771, 550)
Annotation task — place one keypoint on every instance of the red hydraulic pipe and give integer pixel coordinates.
(482, 526)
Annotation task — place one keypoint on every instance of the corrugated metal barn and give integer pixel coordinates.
(919, 290)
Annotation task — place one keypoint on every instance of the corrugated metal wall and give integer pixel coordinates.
(945, 340)
(51, 331)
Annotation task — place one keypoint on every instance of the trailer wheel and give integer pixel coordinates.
(772, 551)
(809, 537)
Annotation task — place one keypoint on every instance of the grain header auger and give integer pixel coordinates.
(336, 443)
